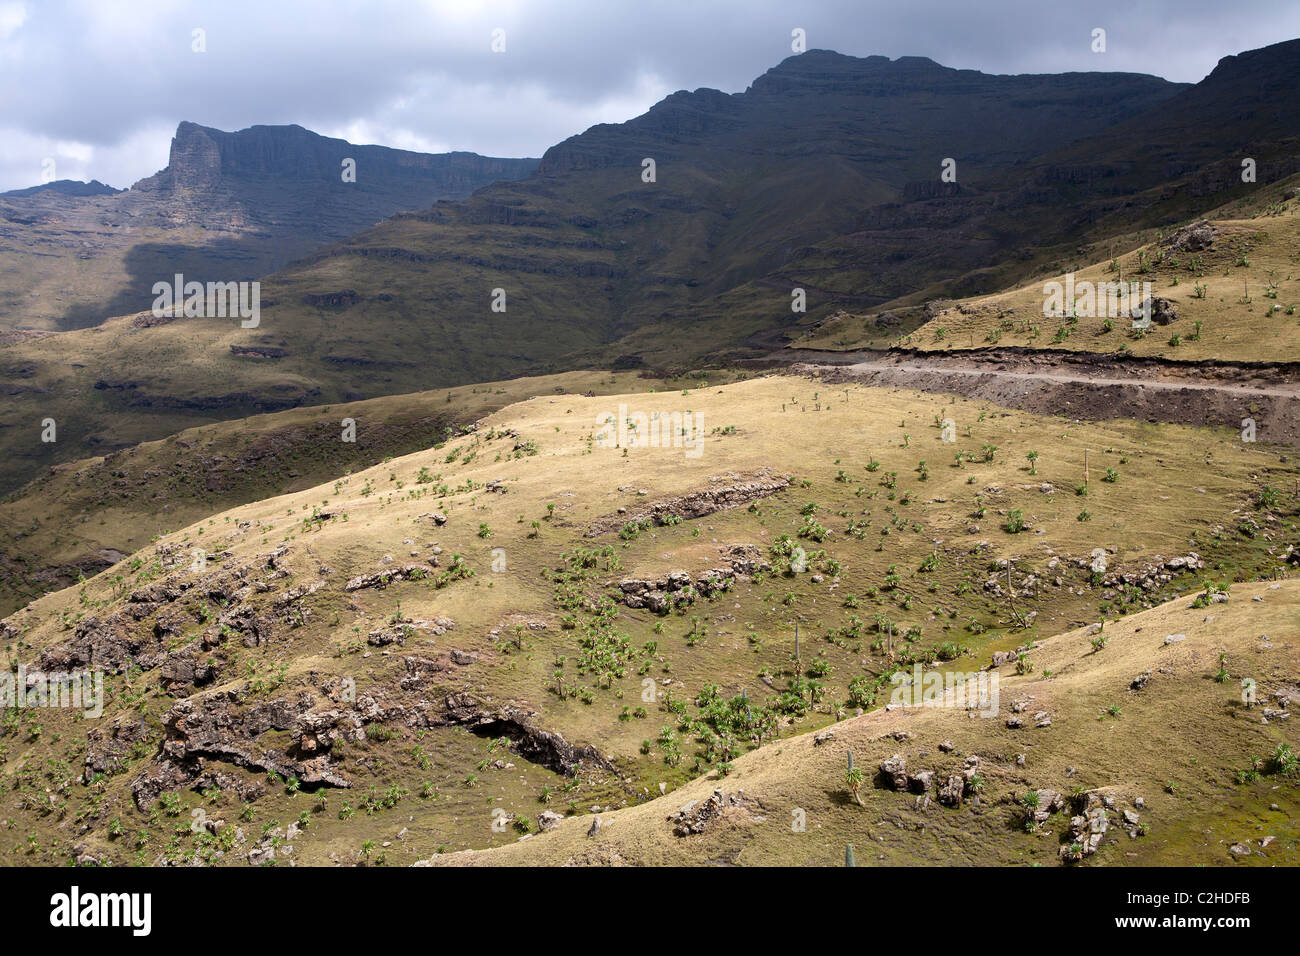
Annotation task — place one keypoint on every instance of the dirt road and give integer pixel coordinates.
(1084, 385)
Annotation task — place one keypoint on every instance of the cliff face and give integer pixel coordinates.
(205, 158)
(228, 206)
(288, 182)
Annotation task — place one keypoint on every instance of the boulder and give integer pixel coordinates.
(1195, 237)
(952, 790)
(895, 771)
(1161, 310)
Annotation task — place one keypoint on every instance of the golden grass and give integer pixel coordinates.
(1244, 294)
(1178, 489)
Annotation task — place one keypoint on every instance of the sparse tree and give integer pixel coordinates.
(853, 777)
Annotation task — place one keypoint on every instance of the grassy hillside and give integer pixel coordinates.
(1178, 744)
(530, 619)
(1236, 298)
(82, 516)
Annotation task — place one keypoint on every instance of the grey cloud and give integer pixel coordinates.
(423, 75)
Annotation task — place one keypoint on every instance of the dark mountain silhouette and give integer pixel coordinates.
(746, 187)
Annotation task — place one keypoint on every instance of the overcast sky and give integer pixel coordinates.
(99, 86)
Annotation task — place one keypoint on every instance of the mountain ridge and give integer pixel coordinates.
(65, 187)
(755, 196)
(228, 206)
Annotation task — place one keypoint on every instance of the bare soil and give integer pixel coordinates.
(1087, 385)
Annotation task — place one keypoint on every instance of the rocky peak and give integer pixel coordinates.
(195, 158)
(821, 72)
(203, 158)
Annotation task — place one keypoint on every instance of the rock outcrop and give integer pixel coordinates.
(680, 588)
(544, 747)
(726, 492)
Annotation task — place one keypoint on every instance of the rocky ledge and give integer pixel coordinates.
(680, 588)
(727, 491)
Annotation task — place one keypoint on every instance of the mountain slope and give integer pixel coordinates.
(584, 251)
(823, 176)
(228, 207)
(1175, 774)
(530, 617)
(743, 183)
(65, 187)
(80, 517)
(1229, 288)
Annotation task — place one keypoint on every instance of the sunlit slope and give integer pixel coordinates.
(1232, 288)
(1177, 744)
(525, 619)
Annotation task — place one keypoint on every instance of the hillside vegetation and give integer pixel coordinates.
(83, 516)
(1182, 754)
(525, 622)
(1232, 285)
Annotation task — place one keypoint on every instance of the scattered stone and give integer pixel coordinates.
(680, 589)
(730, 491)
(1086, 832)
(381, 579)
